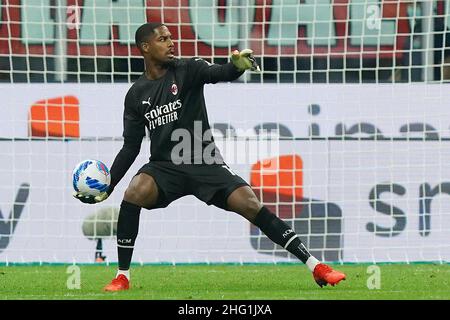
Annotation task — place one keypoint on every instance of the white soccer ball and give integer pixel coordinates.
(91, 177)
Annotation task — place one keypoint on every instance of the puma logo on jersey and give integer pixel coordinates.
(147, 102)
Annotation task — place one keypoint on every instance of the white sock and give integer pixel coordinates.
(311, 263)
(126, 273)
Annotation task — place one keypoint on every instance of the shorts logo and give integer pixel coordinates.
(174, 89)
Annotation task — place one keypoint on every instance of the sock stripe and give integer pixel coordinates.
(127, 247)
(290, 240)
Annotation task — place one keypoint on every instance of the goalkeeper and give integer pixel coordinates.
(168, 99)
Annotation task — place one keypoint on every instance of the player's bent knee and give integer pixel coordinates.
(249, 208)
(244, 202)
(253, 206)
(142, 191)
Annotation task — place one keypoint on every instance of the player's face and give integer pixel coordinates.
(160, 47)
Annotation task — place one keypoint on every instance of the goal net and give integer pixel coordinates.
(344, 133)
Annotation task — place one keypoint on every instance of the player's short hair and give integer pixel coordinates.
(144, 31)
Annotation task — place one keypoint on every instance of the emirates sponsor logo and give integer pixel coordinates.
(161, 115)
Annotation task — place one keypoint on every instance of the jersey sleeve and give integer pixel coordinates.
(133, 133)
(133, 124)
(202, 71)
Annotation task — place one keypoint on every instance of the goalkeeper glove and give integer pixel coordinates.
(244, 60)
(91, 199)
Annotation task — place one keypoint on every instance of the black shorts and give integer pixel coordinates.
(210, 183)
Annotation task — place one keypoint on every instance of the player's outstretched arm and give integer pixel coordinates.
(204, 72)
(244, 60)
(134, 132)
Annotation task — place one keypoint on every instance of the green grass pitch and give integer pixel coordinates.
(228, 282)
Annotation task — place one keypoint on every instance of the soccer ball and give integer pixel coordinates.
(91, 177)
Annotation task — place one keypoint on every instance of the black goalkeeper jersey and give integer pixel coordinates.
(173, 109)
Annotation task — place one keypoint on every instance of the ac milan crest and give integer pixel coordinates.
(174, 89)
